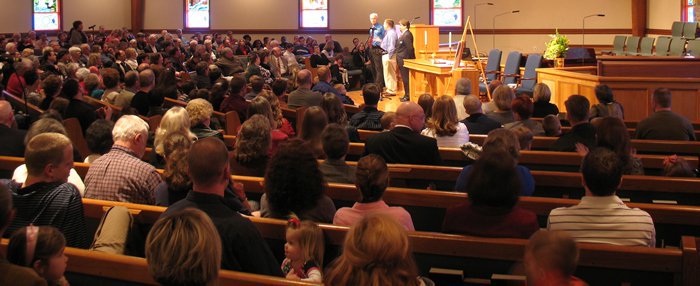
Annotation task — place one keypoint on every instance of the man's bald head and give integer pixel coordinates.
(6, 115)
(472, 104)
(410, 114)
(304, 78)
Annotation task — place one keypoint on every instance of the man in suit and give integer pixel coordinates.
(12, 143)
(405, 51)
(477, 122)
(582, 131)
(404, 144)
(152, 46)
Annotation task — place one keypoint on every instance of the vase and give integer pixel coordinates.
(559, 62)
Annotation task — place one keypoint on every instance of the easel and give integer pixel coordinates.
(460, 50)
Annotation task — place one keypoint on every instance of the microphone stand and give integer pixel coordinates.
(493, 24)
(583, 32)
(477, 5)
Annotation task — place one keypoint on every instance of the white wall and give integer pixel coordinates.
(662, 13)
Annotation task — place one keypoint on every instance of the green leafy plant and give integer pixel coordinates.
(557, 47)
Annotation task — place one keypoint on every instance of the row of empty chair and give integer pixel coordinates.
(645, 46)
(511, 72)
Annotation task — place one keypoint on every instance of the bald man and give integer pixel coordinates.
(404, 144)
(304, 96)
(477, 122)
(12, 143)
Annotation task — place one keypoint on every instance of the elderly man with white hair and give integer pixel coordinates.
(151, 45)
(120, 175)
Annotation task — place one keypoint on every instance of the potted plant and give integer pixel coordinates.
(556, 49)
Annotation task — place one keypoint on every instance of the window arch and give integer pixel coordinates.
(46, 15)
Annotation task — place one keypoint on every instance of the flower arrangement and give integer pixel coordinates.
(557, 47)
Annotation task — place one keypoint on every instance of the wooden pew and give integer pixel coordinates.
(97, 268)
(116, 110)
(428, 207)
(631, 124)
(642, 146)
(223, 118)
(481, 256)
(18, 104)
(75, 134)
(536, 160)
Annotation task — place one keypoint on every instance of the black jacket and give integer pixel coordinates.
(405, 50)
(479, 123)
(402, 145)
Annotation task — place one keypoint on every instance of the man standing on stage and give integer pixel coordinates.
(405, 51)
(389, 57)
(376, 33)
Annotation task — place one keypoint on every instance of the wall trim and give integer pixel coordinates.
(613, 31)
(658, 32)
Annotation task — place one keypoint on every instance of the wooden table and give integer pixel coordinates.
(437, 79)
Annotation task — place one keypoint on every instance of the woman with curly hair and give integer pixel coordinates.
(250, 154)
(176, 181)
(444, 125)
(294, 186)
(282, 123)
(376, 252)
(335, 112)
(260, 105)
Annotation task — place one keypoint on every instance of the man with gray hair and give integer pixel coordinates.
(120, 175)
(477, 122)
(463, 87)
(228, 63)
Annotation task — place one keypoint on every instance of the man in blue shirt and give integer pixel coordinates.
(389, 57)
(324, 85)
(376, 34)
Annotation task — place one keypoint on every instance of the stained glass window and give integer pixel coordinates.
(314, 13)
(46, 15)
(197, 14)
(447, 13)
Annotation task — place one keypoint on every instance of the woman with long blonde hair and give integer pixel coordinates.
(376, 252)
(184, 248)
(176, 119)
(444, 124)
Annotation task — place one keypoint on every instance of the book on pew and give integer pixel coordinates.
(443, 276)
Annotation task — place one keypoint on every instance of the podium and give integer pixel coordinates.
(423, 45)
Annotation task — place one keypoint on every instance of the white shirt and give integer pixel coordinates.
(604, 220)
(20, 175)
(456, 140)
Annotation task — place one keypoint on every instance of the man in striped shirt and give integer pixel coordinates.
(601, 217)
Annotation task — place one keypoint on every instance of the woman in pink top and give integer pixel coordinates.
(372, 179)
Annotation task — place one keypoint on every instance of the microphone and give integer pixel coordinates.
(92, 27)
(515, 11)
(490, 4)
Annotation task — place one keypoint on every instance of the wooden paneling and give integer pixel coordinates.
(633, 93)
(635, 101)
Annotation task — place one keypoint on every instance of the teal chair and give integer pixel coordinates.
(677, 47)
(632, 46)
(694, 48)
(677, 29)
(619, 45)
(645, 47)
(689, 30)
(662, 44)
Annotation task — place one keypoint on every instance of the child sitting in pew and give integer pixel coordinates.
(303, 251)
(40, 248)
(550, 259)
